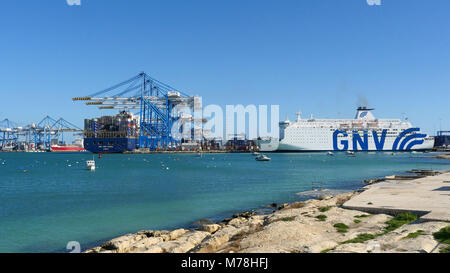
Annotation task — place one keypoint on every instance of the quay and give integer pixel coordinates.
(428, 197)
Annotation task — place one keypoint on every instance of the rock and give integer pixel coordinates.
(317, 248)
(247, 214)
(226, 220)
(184, 243)
(373, 181)
(325, 197)
(177, 233)
(94, 250)
(397, 240)
(219, 238)
(210, 228)
(295, 205)
(202, 222)
(255, 223)
(152, 249)
(421, 244)
(123, 243)
(352, 248)
(159, 233)
(103, 251)
(237, 222)
(148, 233)
(341, 199)
(146, 243)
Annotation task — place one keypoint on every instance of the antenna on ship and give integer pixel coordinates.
(299, 115)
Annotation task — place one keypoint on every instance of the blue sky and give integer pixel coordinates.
(319, 56)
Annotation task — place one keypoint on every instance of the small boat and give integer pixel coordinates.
(350, 153)
(90, 164)
(330, 153)
(262, 157)
(255, 153)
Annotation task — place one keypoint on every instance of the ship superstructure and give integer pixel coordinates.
(363, 133)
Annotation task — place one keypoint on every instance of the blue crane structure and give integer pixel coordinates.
(39, 134)
(157, 104)
(49, 128)
(8, 133)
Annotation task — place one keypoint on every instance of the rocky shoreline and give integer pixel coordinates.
(314, 226)
(444, 156)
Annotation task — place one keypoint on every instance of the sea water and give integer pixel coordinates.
(50, 199)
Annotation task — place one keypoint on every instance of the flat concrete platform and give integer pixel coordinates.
(429, 197)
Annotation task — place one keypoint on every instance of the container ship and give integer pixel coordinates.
(112, 134)
(363, 133)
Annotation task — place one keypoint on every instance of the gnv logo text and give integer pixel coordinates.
(73, 2)
(361, 143)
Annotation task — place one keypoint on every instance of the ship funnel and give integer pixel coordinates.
(364, 113)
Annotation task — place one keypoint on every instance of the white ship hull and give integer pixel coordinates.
(359, 134)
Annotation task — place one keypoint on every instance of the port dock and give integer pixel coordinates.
(426, 196)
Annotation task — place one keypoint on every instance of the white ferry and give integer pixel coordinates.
(363, 133)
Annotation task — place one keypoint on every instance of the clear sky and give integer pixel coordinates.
(319, 56)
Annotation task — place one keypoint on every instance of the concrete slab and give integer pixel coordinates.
(429, 197)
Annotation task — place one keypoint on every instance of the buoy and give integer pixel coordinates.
(99, 155)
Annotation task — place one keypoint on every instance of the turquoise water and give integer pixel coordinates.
(49, 199)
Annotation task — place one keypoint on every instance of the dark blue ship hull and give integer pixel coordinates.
(110, 145)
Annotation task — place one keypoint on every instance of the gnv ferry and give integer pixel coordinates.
(363, 133)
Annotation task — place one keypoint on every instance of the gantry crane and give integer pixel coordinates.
(35, 135)
(159, 108)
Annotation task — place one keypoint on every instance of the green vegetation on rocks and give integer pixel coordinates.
(321, 217)
(341, 227)
(414, 234)
(445, 250)
(362, 216)
(396, 222)
(399, 220)
(361, 238)
(324, 209)
(443, 235)
(326, 250)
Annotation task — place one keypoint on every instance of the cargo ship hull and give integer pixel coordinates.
(110, 145)
(67, 149)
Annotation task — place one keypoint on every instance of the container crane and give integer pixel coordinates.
(158, 105)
